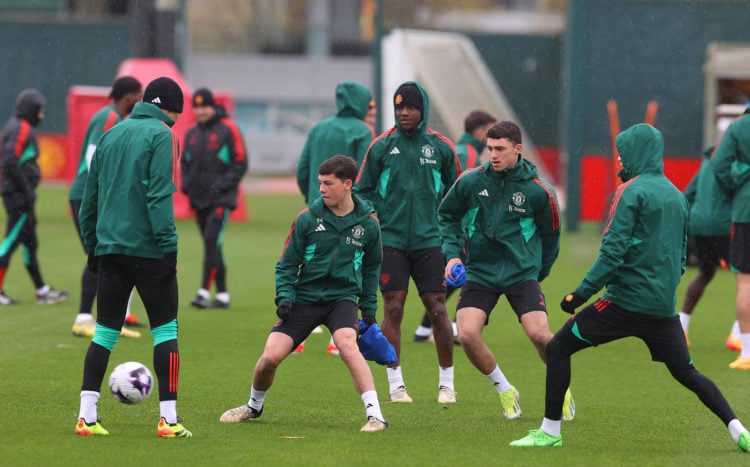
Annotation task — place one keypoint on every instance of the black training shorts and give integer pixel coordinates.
(426, 266)
(523, 298)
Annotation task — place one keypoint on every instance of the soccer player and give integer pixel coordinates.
(125, 92)
(468, 149)
(405, 174)
(20, 175)
(731, 163)
(213, 164)
(328, 268)
(127, 223)
(709, 225)
(641, 259)
(508, 220)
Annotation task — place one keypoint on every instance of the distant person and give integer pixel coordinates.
(501, 221)
(406, 172)
(641, 259)
(127, 223)
(213, 164)
(709, 226)
(468, 149)
(20, 176)
(328, 269)
(125, 92)
(345, 133)
(731, 164)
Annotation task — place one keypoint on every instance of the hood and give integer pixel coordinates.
(641, 149)
(422, 126)
(524, 170)
(352, 99)
(362, 209)
(28, 104)
(149, 110)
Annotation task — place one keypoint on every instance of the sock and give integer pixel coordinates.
(735, 429)
(83, 317)
(168, 410)
(551, 427)
(372, 406)
(745, 338)
(204, 293)
(256, 399)
(498, 379)
(455, 330)
(43, 290)
(423, 331)
(87, 410)
(736, 329)
(395, 378)
(446, 377)
(684, 320)
(223, 297)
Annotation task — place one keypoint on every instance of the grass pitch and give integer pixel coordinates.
(630, 411)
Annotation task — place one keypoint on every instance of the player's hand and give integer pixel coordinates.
(571, 301)
(455, 273)
(284, 311)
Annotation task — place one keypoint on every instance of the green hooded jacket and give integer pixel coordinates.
(731, 163)
(344, 134)
(405, 176)
(327, 258)
(102, 121)
(511, 220)
(710, 207)
(643, 248)
(127, 205)
(469, 150)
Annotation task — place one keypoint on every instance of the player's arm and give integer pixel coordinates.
(87, 214)
(373, 258)
(369, 174)
(161, 186)
(723, 159)
(547, 219)
(292, 257)
(13, 145)
(238, 157)
(303, 170)
(452, 210)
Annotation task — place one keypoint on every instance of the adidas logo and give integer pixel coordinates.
(320, 228)
(395, 151)
(484, 193)
(156, 100)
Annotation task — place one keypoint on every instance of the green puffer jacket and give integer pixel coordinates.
(511, 220)
(328, 258)
(405, 177)
(642, 254)
(127, 205)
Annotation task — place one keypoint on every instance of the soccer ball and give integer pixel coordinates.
(131, 382)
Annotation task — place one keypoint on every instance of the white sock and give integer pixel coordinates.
(43, 290)
(395, 378)
(745, 338)
(422, 331)
(455, 329)
(204, 293)
(87, 411)
(372, 406)
(168, 410)
(736, 329)
(223, 297)
(684, 320)
(735, 429)
(83, 317)
(130, 300)
(498, 379)
(446, 377)
(256, 398)
(551, 427)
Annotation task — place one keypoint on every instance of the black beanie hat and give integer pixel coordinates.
(409, 94)
(203, 97)
(165, 94)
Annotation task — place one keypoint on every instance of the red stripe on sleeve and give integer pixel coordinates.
(239, 147)
(552, 204)
(291, 231)
(618, 195)
(23, 138)
(112, 118)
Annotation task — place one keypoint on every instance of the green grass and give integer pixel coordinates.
(630, 411)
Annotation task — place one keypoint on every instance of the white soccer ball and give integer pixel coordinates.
(131, 382)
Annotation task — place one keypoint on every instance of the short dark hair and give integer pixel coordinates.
(477, 119)
(123, 86)
(342, 167)
(505, 129)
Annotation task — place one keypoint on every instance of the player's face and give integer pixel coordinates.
(408, 117)
(203, 113)
(333, 190)
(503, 153)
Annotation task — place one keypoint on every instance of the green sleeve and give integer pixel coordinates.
(450, 214)
(292, 257)
(368, 298)
(161, 186)
(88, 213)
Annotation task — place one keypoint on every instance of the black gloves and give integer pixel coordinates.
(284, 311)
(571, 302)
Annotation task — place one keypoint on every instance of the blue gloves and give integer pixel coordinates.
(373, 344)
(458, 271)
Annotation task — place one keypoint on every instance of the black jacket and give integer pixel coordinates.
(20, 149)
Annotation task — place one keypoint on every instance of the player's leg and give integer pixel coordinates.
(395, 273)
(14, 223)
(527, 300)
(740, 260)
(215, 233)
(84, 324)
(705, 250)
(207, 276)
